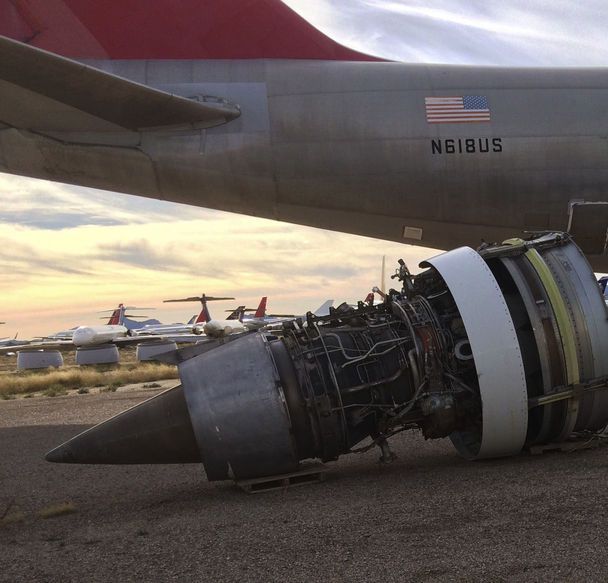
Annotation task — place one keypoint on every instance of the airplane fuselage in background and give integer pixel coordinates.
(347, 146)
(221, 328)
(94, 335)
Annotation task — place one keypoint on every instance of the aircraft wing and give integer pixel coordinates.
(60, 345)
(46, 93)
(177, 338)
(186, 338)
(124, 341)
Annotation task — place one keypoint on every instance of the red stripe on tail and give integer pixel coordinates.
(261, 311)
(170, 29)
(117, 316)
(204, 315)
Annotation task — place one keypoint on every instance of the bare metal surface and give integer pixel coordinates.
(428, 516)
(155, 431)
(84, 99)
(343, 146)
(238, 411)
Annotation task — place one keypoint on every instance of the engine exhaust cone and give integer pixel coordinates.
(157, 431)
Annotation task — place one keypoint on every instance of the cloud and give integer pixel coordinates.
(526, 33)
(71, 273)
(67, 251)
(50, 205)
(172, 257)
(21, 260)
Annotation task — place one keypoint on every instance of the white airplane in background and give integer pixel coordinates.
(175, 328)
(263, 320)
(116, 318)
(13, 341)
(210, 326)
(114, 332)
(195, 325)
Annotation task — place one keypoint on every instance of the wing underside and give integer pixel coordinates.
(48, 94)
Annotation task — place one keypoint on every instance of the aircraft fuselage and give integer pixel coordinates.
(347, 146)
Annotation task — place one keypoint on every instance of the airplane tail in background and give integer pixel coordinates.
(192, 320)
(237, 314)
(369, 299)
(261, 310)
(118, 316)
(204, 315)
(323, 309)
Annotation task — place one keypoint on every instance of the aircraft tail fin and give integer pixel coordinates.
(261, 310)
(323, 309)
(203, 315)
(166, 29)
(237, 314)
(117, 316)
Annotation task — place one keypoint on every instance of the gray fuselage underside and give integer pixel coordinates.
(346, 146)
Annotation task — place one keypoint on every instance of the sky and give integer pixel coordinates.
(68, 252)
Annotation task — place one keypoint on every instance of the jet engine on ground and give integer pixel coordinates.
(498, 349)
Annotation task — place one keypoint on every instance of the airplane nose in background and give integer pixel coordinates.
(156, 431)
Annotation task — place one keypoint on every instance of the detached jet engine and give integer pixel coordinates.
(498, 349)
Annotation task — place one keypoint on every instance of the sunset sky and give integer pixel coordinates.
(67, 252)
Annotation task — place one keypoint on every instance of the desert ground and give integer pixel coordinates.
(428, 516)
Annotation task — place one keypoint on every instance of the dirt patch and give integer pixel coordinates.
(429, 516)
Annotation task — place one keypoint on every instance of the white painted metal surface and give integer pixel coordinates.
(495, 348)
(91, 335)
(220, 328)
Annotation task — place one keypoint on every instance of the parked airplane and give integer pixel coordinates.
(249, 109)
(117, 317)
(176, 328)
(210, 326)
(275, 321)
(194, 326)
(114, 332)
(260, 318)
(4, 342)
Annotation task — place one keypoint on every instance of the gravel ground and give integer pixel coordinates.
(429, 516)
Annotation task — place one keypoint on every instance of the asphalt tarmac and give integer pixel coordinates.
(428, 516)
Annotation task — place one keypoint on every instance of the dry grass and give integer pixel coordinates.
(57, 510)
(56, 381)
(13, 517)
(11, 514)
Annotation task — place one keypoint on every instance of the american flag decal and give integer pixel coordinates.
(464, 109)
